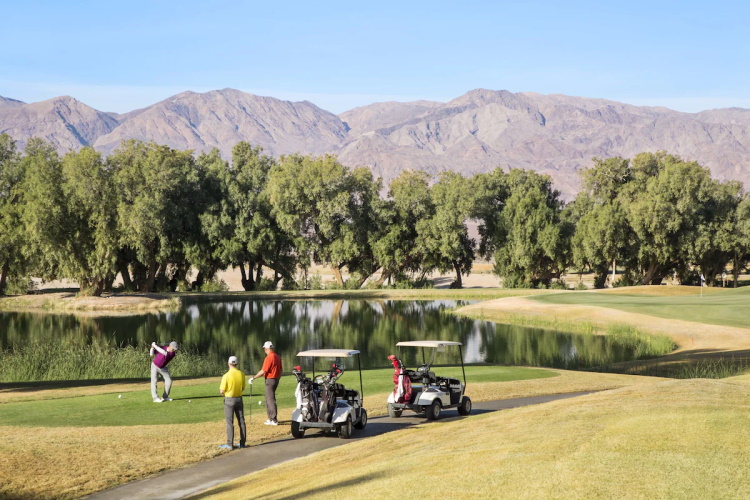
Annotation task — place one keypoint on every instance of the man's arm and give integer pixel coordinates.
(159, 349)
(258, 375)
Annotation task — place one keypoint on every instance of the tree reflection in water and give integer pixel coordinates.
(219, 329)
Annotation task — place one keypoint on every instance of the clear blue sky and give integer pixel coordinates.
(118, 56)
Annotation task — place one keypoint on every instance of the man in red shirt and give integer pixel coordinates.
(272, 371)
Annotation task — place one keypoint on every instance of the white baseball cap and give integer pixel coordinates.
(268, 345)
(232, 360)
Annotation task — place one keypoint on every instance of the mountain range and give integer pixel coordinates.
(476, 132)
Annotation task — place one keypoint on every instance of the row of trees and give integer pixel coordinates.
(151, 214)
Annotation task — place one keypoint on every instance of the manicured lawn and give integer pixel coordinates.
(727, 307)
(202, 403)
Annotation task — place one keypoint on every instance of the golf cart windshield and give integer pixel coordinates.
(335, 353)
(437, 345)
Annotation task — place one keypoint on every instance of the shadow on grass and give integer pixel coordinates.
(281, 494)
(68, 384)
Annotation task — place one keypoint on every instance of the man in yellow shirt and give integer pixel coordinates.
(232, 385)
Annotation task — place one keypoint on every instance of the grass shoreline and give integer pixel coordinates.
(139, 303)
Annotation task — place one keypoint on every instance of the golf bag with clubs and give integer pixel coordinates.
(307, 400)
(330, 390)
(402, 392)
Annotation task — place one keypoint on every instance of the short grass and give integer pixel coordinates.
(726, 307)
(675, 439)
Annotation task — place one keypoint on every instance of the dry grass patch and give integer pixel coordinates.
(674, 439)
(106, 304)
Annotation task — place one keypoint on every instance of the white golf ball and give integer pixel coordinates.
(119, 395)
(189, 401)
(259, 402)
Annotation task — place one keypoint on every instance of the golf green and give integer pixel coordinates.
(727, 308)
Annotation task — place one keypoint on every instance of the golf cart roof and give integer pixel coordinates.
(427, 343)
(329, 353)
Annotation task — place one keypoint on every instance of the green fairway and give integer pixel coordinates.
(727, 308)
(202, 403)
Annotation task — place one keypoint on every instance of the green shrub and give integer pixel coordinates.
(581, 286)
(558, 285)
(215, 285)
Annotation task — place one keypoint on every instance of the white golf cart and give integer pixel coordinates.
(421, 390)
(323, 403)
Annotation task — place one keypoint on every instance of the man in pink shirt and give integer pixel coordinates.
(164, 355)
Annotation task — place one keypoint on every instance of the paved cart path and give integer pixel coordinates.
(181, 483)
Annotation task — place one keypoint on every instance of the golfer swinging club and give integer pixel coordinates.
(272, 371)
(159, 367)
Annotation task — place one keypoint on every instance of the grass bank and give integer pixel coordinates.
(675, 439)
(717, 306)
(109, 304)
(136, 303)
(92, 440)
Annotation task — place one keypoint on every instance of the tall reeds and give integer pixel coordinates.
(39, 361)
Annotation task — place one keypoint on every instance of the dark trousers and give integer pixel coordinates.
(232, 407)
(271, 385)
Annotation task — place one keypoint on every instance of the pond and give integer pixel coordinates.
(213, 331)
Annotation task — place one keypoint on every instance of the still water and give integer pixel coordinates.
(217, 330)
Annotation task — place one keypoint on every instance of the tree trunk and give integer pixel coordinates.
(247, 284)
(735, 270)
(148, 286)
(383, 276)
(614, 268)
(259, 273)
(337, 274)
(122, 268)
(457, 283)
(4, 277)
(648, 278)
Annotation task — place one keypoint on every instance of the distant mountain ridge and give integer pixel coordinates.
(476, 132)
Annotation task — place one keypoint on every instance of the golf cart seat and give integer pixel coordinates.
(418, 376)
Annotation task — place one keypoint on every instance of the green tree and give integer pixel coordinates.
(664, 209)
(88, 248)
(531, 238)
(44, 212)
(490, 193)
(241, 227)
(12, 261)
(408, 202)
(443, 239)
(330, 212)
(159, 206)
(602, 235)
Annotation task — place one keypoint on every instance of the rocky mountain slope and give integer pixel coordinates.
(476, 132)
(222, 118)
(63, 121)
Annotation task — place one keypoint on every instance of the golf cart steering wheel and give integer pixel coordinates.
(423, 369)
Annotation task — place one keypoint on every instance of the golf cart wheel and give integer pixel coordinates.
(362, 420)
(465, 406)
(345, 429)
(296, 431)
(393, 412)
(433, 412)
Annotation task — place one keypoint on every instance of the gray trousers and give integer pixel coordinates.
(232, 407)
(271, 385)
(164, 372)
